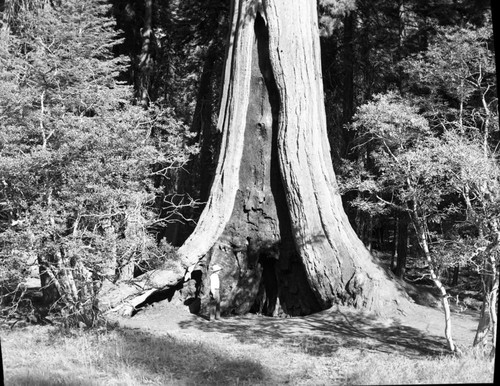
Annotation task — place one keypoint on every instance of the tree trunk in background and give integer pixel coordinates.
(456, 273)
(111, 260)
(399, 54)
(484, 325)
(49, 290)
(136, 236)
(402, 249)
(1, 365)
(348, 91)
(491, 281)
(204, 124)
(5, 15)
(494, 309)
(145, 66)
(274, 219)
(368, 236)
(395, 244)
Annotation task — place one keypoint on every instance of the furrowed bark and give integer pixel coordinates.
(338, 266)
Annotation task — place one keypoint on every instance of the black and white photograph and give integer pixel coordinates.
(249, 192)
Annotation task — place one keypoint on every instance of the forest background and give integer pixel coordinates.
(109, 142)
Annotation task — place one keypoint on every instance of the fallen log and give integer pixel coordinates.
(125, 296)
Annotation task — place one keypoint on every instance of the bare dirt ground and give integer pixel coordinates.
(418, 333)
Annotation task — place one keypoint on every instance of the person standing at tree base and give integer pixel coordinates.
(214, 305)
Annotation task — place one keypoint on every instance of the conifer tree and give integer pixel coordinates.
(75, 154)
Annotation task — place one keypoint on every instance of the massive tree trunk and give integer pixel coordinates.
(274, 219)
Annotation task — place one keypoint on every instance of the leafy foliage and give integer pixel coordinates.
(436, 177)
(457, 90)
(76, 154)
(331, 12)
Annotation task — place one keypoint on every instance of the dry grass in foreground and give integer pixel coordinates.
(51, 356)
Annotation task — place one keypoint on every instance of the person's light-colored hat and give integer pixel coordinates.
(216, 267)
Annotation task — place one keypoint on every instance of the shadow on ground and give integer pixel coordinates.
(325, 333)
(30, 380)
(186, 360)
(138, 357)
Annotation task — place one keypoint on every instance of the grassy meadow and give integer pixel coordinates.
(42, 355)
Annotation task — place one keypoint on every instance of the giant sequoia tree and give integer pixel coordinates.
(274, 219)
